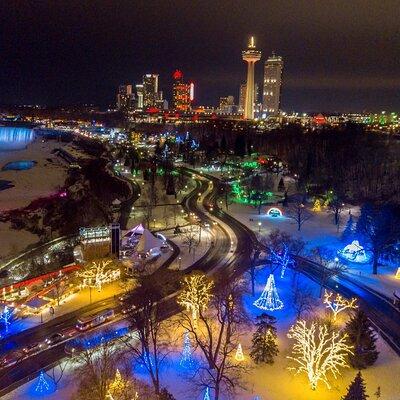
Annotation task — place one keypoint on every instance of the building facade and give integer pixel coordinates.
(150, 90)
(273, 69)
(242, 96)
(125, 98)
(139, 96)
(226, 104)
(182, 93)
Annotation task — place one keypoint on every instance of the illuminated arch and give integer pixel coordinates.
(274, 212)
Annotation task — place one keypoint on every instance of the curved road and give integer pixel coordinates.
(221, 256)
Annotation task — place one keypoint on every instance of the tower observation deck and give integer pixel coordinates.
(251, 55)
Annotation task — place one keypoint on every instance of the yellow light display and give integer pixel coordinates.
(338, 303)
(196, 294)
(239, 353)
(397, 276)
(117, 389)
(317, 206)
(318, 351)
(98, 274)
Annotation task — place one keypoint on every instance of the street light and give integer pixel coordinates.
(259, 226)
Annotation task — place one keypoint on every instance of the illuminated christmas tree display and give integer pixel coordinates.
(43, 385)
(317, 206)
(338, 303)
(317, 351)
(269, 299)
(207, 394)
(118, 384)
(239, 353)
(120, 389)
(6, 317)
(186, 359)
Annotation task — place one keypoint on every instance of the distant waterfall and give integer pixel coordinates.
(15, 138)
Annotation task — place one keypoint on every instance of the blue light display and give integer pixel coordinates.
(355, 253)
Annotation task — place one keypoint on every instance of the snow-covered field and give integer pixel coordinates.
(41, 180)
(319, 231)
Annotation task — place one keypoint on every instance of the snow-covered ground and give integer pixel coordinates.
(319, 231)
(42, 180)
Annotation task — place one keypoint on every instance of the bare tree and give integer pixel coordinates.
(190, 239)
(217, 333)
(60, 287)
(336, 207)
(150, 350)
(303, 300)
(57, 372)
(299, 214)
(281, 247)
(148, 214)
(96, 369)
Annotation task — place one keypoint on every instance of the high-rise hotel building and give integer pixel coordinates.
(182, 93)
(272, 85)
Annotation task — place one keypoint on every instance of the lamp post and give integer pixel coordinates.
(180, 262)
(259, 226)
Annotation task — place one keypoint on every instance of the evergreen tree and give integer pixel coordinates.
(362, 338)
(264, 347)
(365, 212)
(356, 390)
(348, 231)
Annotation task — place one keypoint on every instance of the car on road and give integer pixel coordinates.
(54, 339)
(11, 358)
(33, 348)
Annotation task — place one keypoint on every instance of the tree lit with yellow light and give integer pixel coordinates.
(196, 293)
(318, 352)
(337, 303)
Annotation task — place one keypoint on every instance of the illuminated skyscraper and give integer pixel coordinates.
(272, 85)
(139, 95)
(251, 56)
(150, 90)
(242, 96)
(182, 93)
(125, 98)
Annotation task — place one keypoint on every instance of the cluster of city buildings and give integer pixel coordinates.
(147, 97)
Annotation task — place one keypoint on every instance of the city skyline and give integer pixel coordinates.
(336, 56)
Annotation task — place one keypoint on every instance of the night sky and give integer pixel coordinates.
(339, 55)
